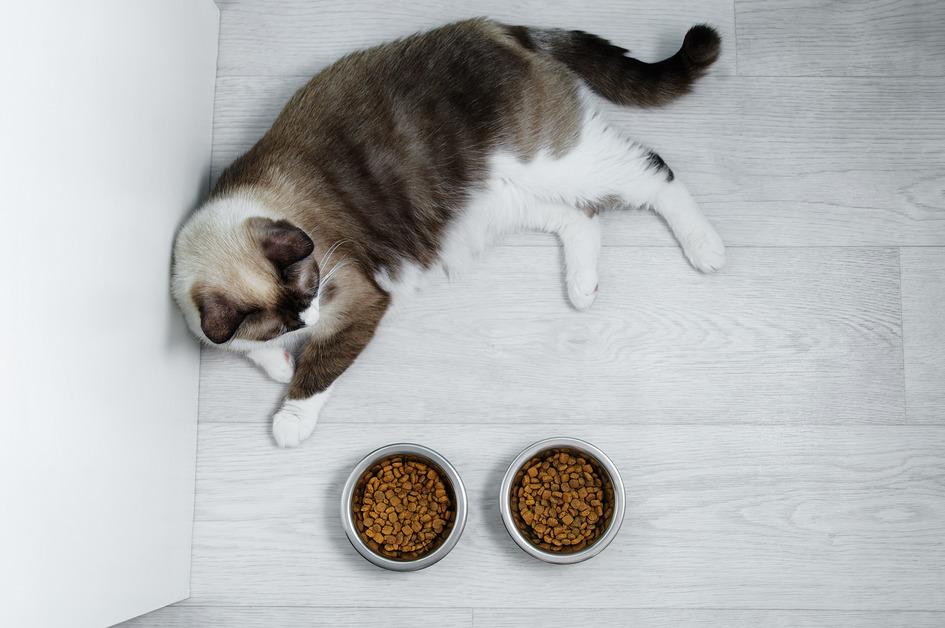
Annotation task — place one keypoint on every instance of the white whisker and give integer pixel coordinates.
(334, 269)
(331, 250)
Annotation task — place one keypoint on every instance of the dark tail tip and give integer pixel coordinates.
(702, 45)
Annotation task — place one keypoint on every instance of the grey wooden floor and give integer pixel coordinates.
(780, 426)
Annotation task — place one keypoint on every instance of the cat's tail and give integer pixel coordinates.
(610, 73)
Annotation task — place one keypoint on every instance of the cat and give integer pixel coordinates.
(409, 158)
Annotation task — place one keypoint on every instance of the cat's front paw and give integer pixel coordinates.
(582, 289)
(290, 425)
(705, 250)
(277, 362)
(296, 420)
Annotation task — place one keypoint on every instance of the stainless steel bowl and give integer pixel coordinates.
(613, 525)
(449, 475)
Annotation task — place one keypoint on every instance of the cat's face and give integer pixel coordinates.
(253, 279)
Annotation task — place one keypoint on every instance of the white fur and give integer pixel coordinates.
(277, 362)
(310, 316)
(291, 341)
(581, 242)
(297, 418)
(410, 278)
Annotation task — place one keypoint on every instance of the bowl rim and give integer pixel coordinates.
(459, 493)
(620, 499)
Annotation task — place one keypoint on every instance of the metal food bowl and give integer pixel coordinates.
(454, 487)
(615, 492)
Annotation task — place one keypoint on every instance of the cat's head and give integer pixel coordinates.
(240, 276)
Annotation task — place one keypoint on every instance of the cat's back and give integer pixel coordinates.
(470, 69)
(413, 122)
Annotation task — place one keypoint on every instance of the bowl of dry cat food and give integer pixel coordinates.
(562, 500)
(403, 507)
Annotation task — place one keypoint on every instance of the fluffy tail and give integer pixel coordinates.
(621, 79)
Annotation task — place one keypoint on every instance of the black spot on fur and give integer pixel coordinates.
(655, 161)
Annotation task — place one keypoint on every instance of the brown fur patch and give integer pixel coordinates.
(355, 315)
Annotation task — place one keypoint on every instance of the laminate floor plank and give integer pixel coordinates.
(702, 618)
(779, 336)
(923, 320)
(299, 617)
(863, 38)
(285, 37)
(752, 517)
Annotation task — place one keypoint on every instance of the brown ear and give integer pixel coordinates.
(219, 318)
(282, 242)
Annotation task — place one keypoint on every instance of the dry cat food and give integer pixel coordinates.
(562, 500)
(402, 507)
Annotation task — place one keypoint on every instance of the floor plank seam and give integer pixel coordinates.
(902, 345)
(735, 33)
(513, 422)
(183, 604)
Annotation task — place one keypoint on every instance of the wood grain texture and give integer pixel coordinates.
(780, 335)
(282, 617)
(306, 617)
(923, 320)
(660, 618)
(774, 162)
(862, 38)
(300, 37)
(828, 517)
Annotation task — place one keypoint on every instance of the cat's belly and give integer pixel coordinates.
(504, 204)
(490, 212)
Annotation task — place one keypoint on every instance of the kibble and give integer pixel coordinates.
(402, 508)
(561, 500)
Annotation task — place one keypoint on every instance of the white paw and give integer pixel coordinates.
(290, 426)
(705, 250)
(297, 418)
(582, 289)
(278, 363)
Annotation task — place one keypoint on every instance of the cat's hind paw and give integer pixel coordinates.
(705, 250)
(582, 289)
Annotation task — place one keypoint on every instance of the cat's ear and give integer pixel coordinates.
(282, 243)
(219, 317)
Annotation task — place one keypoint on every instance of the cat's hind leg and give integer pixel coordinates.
(700, 242)
(640, 177)
(605, 165)
(505, 207)
(580, 237)
(580, 240)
